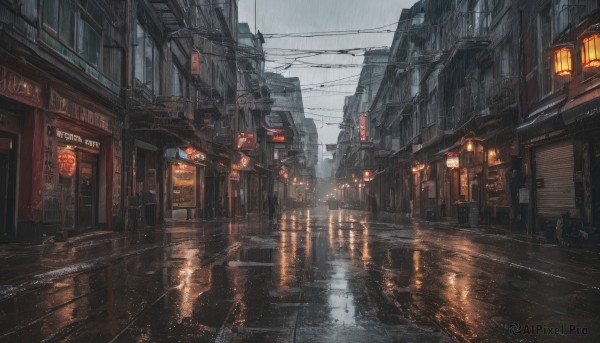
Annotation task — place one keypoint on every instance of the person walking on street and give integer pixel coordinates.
(273, 206)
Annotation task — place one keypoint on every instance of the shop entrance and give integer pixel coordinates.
(79, 189)
(7, 184)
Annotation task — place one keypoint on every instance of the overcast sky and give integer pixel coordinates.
(291, 16)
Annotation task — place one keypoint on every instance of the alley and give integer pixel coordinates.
(317, 276)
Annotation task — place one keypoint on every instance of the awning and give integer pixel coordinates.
(583, 107)
(448, 149)
(542, 124)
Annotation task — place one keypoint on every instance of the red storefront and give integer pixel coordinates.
(60, 155)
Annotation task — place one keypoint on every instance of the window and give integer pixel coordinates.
(504, 61)
(146, 60)
(66, 23)
(561, 10)
(88, 42)
(112, 60)
(178, 82)
(64, 19)
(415, 81)
(50, 13)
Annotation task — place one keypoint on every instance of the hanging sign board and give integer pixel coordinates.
(195, 63)
(246, 140)
(362, 125)
(452, 162)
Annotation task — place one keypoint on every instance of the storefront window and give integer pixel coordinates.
(184, 185)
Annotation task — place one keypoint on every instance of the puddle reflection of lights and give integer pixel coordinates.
(417, 265)
(417, 260)
(185, 286)
(351, 242)
(283, 258)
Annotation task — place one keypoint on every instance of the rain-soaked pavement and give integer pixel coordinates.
(319, 276)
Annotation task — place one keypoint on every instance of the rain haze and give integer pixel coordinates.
(324, 104)
(315, 171)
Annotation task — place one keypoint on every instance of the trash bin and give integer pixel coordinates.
(473, 214)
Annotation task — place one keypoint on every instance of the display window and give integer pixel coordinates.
(184, 185)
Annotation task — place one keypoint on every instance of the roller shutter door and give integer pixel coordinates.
(555, 192)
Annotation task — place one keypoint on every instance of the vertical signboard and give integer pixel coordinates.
(362, 126)
(195, 65)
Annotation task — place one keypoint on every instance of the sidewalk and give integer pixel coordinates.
(517, 231)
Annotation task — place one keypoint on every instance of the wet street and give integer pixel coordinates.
(319, 276)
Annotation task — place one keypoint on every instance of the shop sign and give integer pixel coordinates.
(15, 86)
(246, 140)
(67, 163)
(234, 175)
(452, 161)
(60, 104)
(362, 126)
(192, 154)
(195, 63)
(278, 138)
(75, 139)
(244, 163)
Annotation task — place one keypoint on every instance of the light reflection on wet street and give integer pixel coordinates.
(318, 276)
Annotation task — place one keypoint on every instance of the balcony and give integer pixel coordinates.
(170, 12)
(501, 93)
(469, 27)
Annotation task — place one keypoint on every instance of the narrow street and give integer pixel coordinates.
(318, 276)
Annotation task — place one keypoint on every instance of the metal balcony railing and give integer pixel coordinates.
(469, 26)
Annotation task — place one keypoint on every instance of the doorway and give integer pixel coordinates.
(7, 184)
(80, 193)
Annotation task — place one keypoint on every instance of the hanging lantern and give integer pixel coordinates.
(67, 163)
(590, 51)
(563, 64)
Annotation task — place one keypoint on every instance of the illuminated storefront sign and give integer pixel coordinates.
(452, 160)
(246, 140)
(75, 139)
(362, 125)
(278, 139)
(192, 154)
(243, 163)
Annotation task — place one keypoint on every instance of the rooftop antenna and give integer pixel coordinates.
(255, 31)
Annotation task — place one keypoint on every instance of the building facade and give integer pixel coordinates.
(482, 108)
